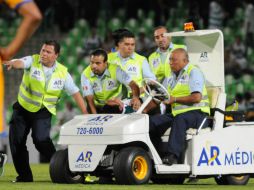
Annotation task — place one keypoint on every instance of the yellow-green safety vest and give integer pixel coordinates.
(182, 89)
(112, 55)
(107, 88)
(33, 92)
(133, 67)
(161, 69)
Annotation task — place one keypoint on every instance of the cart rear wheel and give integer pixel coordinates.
(232, 179)
(237, 179)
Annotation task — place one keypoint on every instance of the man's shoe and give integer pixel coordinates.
(170, 159)
(3, 159)
(192, 180)
(89, 179)
(21, 180)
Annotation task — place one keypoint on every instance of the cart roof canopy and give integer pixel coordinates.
(206, 51)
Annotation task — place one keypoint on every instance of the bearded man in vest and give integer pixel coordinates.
(189, 105)
(102, 85)
(158, 60)
(43, 82)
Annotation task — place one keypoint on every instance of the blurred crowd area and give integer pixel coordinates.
(83, 25)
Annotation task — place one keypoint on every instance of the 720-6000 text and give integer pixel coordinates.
(89, 131)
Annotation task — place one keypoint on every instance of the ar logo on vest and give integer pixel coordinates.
(35, 73)
(96, 87)
(110, 84)
(184, 79)
(132, 70)
(57, 84)
(156, 63)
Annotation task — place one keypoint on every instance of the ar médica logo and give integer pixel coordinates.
(211, 156)
(84, 160)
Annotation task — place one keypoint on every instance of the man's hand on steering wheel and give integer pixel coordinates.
(156, 90)
(169, 101)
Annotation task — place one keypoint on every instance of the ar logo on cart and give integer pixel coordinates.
(101, 118)
(209, 159)
(85, 157)
(203, 57)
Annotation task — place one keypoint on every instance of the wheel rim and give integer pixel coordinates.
(239, 178)
(140, 167)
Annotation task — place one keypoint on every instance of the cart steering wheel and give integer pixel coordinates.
(156, 90)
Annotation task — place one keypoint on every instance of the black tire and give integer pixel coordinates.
(232, 180)
(59, 169)
(237, 179)
(220, 180)
(132, 166)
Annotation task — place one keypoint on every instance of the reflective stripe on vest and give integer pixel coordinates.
(33, 93)
(51, 106)
(29, 100)
(103, 94)
(182, 89)
(54, 100)
(30, 91)
(200, 104)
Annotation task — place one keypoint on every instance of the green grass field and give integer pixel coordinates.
(42, 181)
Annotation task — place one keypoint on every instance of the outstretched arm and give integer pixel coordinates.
(30, 22)
(16, 64)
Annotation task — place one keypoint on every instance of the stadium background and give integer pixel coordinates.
(73, 22)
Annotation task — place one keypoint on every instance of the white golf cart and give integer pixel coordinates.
(118, 145)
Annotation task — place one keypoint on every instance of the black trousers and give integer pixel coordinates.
(21, 123)
(158, 125)
(181, 123)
